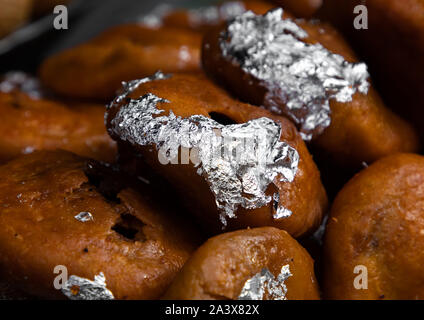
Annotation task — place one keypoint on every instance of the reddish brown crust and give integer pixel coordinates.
(41, 193)
(195, 95)
(377, 221)
(221, 266)
(40, 124)
(363, 122)
(97, 68)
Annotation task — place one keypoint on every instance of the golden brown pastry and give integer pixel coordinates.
(228, 266)
(96, 69)
(230, 182)
(13, 13)
(374, 235)
(392, 46)
(58, 209)
(35, 123)
(308, 73)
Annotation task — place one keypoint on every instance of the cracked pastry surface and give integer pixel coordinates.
(128, 238)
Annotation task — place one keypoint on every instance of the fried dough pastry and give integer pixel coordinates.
(225, 266)
(376, 226)
(96, 69)
(58, 209)
(392, 46)
(40, 124)
(217, 197)
(293, 76)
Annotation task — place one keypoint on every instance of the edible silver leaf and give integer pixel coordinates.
(264, 284)
(77, 288)
(130, 86)
(303, 76)
(238, 161)
(84, 216)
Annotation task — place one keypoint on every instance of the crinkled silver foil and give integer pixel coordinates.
(84, 216)
(264, 284)
(305, 76)
(18, 80)
(77, 288)
(130, 86)
(238, 161)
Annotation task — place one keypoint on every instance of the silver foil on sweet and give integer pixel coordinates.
(18, 80)
(84, 216)
(264, 285)
(301, 78)
(77, 288)
(239, 161)
(130, 86)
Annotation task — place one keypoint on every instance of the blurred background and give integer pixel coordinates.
(25, 47)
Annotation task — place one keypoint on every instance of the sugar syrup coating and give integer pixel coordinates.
(376, 222)
(194, 95)
(133, 239)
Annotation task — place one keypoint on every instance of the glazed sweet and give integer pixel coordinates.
(31, 123)
(119, 54)
(204, 18)
(376, 223)
(306, 71)
(192, 133)
(393, 46)
(60, 209)
(229, 266)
